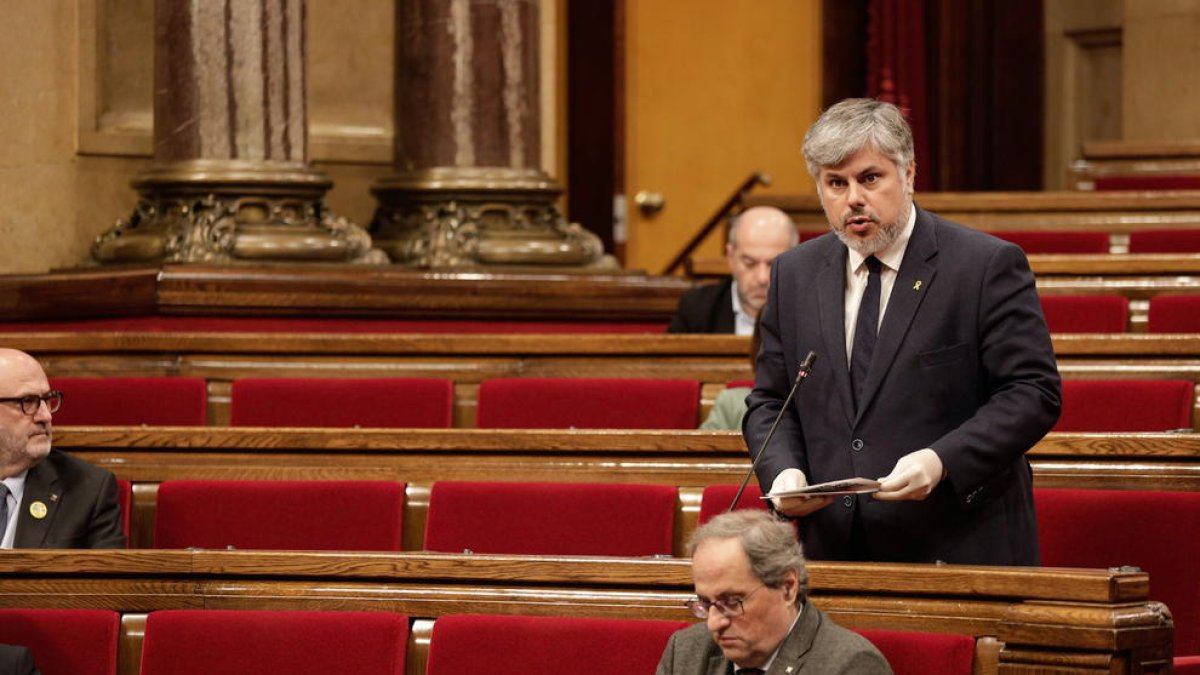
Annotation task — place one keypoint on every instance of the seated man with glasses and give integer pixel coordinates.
(751, 590)
(48, 499)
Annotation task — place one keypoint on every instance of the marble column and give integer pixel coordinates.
(230, 180)
(468, 189)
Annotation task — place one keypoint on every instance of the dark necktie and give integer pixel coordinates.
(865, 329)
(750, 671)
(3, 510)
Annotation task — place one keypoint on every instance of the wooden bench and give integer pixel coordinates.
(688, 460)
(713, 360)
(1143, 159)
(1024, 620)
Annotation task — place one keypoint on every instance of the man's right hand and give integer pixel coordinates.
(795, 507)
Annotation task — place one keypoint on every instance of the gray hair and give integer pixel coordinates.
(854, 124)
(769, 543)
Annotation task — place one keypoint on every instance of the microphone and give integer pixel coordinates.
(801, 375)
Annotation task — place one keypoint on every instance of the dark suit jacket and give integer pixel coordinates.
(815, 645)
(16, 661)
(705, 309)
(963, 364)
(81, 506)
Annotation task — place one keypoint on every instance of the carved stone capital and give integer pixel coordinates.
(225, 211)
(470, 216)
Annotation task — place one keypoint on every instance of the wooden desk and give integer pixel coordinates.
(688, 460)
(1024, 620)
(469, 359)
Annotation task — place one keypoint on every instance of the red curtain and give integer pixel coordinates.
(896, 68)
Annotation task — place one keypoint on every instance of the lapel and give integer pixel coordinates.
(41, 486)
(798, 643)
(831, 299)
(717, 665)
(902, 304)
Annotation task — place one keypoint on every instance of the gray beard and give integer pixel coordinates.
(885, 237)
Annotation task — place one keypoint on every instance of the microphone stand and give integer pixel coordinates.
(802, 375)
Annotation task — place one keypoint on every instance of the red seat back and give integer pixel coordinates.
(1174, 314)
(1086, 313)
(516, 645)
(1126, 405)
(342, 403)
(1051, 241)
(920, 653)
(230, 642)
(588, 403)
(551, 518)
(1151, 530)
(1147, 182)
(280, 515)
(65, 641)
(159, 401)
(1165, 241)
(716, 499)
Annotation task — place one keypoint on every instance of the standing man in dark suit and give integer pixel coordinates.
(751, 591)
(48, 499)
(756, 237)
(935, 372)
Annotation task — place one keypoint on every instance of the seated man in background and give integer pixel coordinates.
(751, 590)
(756, 237)
(48, 499)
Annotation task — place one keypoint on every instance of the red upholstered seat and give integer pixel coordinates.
(345, 402)
(65, 641)
(588, 403)
(715, 500)
(1151, 530)
(1052, 241)
(739, 383)
(280, 515)
(1187, 665)
(230, 642)
(551, 518)
(1148, 182)
(125, 501)
(1126, 405)
(1086, 313)
(131, 400)
(1174, 314)
(1164, 241)
(921, 653)
(517, 645)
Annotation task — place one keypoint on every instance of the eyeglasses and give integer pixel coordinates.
(30, 403)
(728, 608)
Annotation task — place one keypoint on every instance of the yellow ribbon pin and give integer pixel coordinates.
(38, 510)
(917, 286)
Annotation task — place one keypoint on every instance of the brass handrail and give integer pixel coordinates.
(734, 202)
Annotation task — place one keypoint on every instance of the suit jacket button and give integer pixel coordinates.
(848, 501)
(857, 444)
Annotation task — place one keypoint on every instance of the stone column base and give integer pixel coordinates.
(466, 216)
(225, 211)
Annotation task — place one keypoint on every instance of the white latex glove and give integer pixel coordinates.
(792, 479)
(913, 478)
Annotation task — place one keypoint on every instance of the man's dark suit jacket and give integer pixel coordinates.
(81, 506)
(815, 645)
(705, 309)
(16, 661)
(963, 364)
